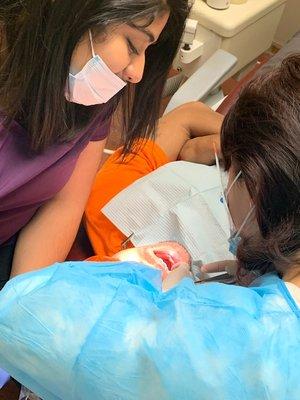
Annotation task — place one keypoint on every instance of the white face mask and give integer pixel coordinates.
(235, 237)
(94, 84)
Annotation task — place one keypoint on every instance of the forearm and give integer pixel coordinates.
(196, 118)
(201, 120)
(201, 149)
(47, 238)
(185, 122)
(205, 127)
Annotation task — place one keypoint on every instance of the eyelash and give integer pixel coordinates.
(131, 47)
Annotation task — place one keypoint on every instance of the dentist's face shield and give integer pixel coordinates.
(234, 238)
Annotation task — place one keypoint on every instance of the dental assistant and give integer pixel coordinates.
(65, 66)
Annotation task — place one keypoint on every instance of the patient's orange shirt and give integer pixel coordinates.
(111, 179)
(101, 258)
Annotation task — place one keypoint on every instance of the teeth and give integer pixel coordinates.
(165, 258)
(164, 264)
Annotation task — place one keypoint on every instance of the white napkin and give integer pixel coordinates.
(179, 201)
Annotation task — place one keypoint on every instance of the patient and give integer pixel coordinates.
(110, 332)
(187, 133)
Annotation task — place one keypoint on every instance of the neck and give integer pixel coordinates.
(293, 276)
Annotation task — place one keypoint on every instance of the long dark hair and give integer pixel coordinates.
(38, 40)
(261, 137)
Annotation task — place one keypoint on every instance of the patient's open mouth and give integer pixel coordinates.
(167, 258)
(172, 254)
(164, 255)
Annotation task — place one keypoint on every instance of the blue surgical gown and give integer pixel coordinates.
(89, 331)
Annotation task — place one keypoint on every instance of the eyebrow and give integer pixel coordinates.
(145, 31)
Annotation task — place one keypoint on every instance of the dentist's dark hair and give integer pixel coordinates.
(261, 137)
(37, 40)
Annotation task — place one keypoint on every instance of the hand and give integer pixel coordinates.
(175, 276)
(200, 149)
(230, 266)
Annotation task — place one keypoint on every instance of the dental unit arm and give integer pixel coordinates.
(204, 80)
(242, 31)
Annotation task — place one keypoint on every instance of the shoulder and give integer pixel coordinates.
(99, 128)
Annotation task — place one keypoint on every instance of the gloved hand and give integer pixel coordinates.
(229, 266)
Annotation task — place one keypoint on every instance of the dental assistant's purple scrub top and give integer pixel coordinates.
(27, 182)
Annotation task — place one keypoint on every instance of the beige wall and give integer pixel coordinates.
(290, 22)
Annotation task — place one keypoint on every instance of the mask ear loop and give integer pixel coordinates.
(224, 198)
(218, 169)
(91, 41)
(228, 190)
(245, 221)
(233, 182)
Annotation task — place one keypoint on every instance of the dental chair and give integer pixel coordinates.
(199, 87)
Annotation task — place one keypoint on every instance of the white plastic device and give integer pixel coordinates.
(191, 48)
(218, 4)
(192, 52)
(189, 32)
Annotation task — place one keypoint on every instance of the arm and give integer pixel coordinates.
(201, 149)
(191, 120)
(48, 237)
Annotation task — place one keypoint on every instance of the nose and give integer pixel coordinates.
(135, 69)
